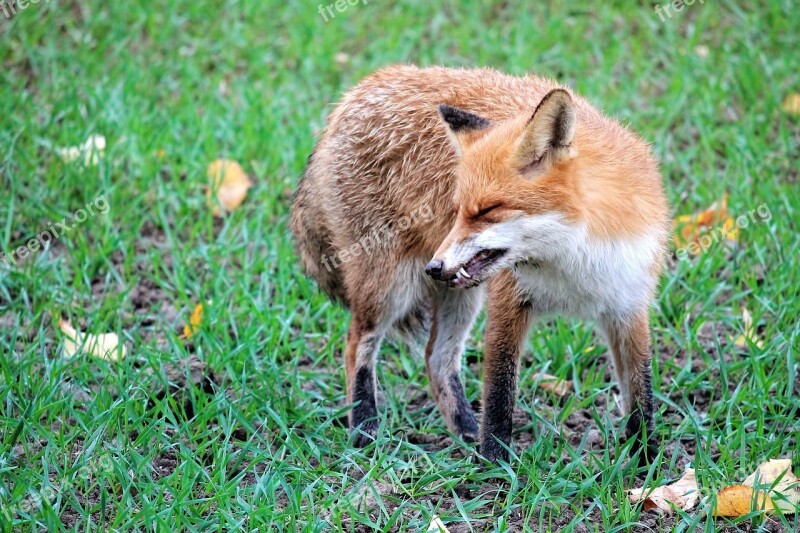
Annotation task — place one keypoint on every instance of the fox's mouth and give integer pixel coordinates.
(472, 272)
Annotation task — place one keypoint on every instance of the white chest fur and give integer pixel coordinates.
(580, 276)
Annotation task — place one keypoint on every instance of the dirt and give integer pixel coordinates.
(176, 380)
(149, 305)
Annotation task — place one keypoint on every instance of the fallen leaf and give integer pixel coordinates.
(791, 104)
(690, 228)
(230, 183)
(437, 526)
(729, 230)
(682, 494)
(749, 332)
(91, 150)
(785, 494)
(558, 386)
(194, 322)
(739, 500)
(104, 346)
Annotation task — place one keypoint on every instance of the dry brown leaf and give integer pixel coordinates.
(791, 104)
(788, 487)
(749, 332)
(230, 182)
(739, 500)
(689, 228)
(682, 494)
(194, 322)
(104, 346)
(556, 385)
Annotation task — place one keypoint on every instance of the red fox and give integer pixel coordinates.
(432, 189)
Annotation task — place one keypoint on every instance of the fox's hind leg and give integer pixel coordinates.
(363, 343)
(377, 304)
(454, 313)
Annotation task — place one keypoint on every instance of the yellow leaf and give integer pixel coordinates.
(738, 500)
(729, 230)
(788, 487)
(558, 386)
(749, 332)
(104, 346)
(682, 494)
(689, 228)
(230, 183)
(194, 322)
(791, 104)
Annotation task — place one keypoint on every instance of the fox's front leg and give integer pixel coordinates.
(454, 312)
(629, 343)
(508, 323)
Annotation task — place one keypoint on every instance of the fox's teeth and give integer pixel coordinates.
(463, 272)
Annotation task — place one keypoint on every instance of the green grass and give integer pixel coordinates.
(89, 444)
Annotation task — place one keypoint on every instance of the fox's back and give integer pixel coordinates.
(385, 155)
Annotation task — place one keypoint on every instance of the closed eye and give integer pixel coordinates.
(485, 211)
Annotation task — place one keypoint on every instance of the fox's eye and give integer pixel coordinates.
(486, 210)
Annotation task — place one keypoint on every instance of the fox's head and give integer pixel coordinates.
(514, 187)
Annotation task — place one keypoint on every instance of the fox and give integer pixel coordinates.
(433, 191)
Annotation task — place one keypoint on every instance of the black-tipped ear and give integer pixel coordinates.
(460, 120)
(463, 127)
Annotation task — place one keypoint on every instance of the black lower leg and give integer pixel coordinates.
(498, 410)
(463, 418)
(363, 419)
(641, 422)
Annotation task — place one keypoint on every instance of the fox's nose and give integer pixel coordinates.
(434, 269)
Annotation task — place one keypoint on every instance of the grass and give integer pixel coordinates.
(173, 85)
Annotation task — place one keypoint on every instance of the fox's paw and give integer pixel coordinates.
(493, 451)
(364, 434)
(467, 427)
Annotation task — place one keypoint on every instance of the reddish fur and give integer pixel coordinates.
(385, 154)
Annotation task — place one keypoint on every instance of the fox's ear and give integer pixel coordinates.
(549, 134)
(463, 127)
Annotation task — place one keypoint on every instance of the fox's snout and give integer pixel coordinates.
(434, 269)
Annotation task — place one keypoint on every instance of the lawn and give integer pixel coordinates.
(241, 425)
